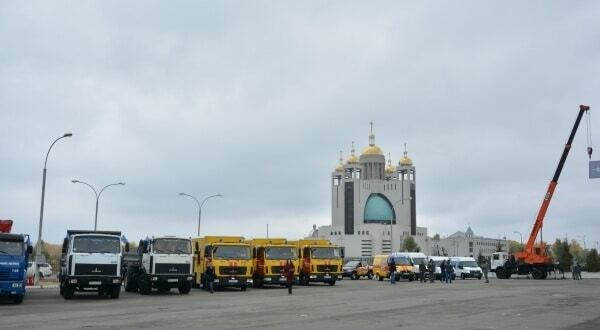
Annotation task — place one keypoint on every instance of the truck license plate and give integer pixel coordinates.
(233, 281)
(172, 280)
(327, 276)
(95, 282)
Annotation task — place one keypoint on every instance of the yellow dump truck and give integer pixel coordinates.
(320, 261)
(269, 255)
(231, 257)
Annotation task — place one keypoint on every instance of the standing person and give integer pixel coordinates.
(449, 272)
(288, 272)
(422, 271)
(209, 275)
(392, 268)
(443, 270)
(485, 268)
(431, 270)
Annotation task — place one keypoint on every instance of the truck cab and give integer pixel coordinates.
(162, 262)
(15, 250)
(498, 260)
(269, 256)
(91, 261)
(320, 260)
(231, 257)
(466, 267)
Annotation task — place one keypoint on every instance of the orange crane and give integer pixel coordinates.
(534, 259)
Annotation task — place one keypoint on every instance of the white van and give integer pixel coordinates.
(466, 267)
(437, 260)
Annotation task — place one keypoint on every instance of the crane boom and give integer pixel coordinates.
(539, 220)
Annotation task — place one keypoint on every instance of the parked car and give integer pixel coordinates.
(466, 267)
(356, 269)
(44, 269)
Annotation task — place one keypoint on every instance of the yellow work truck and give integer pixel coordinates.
(269, 255)
(320, 261)
(231, 257)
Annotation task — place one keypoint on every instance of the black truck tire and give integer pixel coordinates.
(332, 283)
(184, 287)
(130, 282)
(18, 300)
(144, 286)
(243, 288)
(68, 292)
(115, 291)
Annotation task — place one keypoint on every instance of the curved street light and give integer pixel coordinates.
(38, 246)
(200, 204)
(98, 194)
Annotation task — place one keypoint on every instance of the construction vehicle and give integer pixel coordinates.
(162, 262)
(535, 259)
(231, 257)
(15, 250)
(320, 261)
(91, 260)
(269, 256)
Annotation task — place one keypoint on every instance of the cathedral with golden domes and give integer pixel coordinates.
(373, 203)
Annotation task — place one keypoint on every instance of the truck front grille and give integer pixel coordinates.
(327, 269)
(5, 274)
(276, 270)
(95, 270)
(172, 268)
(226, 271)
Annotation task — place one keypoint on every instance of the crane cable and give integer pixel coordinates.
(589, 134)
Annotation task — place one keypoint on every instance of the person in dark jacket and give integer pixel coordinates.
(443, 270)
(449, 272)
(209, 275)
(422, 271)
(288, 272)
(392, 268)
(431, 268)
(485, 268)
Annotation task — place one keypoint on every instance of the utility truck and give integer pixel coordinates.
(162, 262)
(231, 258)
(320, 260)
(91, 261)
(269, 256)
(15, 250)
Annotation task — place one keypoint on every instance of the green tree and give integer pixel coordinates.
(561, 252)
(514, 246)
(436, 237)
(410, 245)
(576, 251)
(593, 261)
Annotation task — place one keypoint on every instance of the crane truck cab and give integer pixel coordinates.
(320, 260)
(91, 260)
(466, 267)
(162, 262)
(269, 255)
(15, 250)
(231, 257)
(498, 260)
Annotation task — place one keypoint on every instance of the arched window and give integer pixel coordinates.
(378, 209)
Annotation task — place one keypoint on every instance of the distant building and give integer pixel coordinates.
(373, 205)
(466, 244)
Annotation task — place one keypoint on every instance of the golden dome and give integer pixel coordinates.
(372, 149)
(352, 160)
(405, 161)
(390, 169)
(339, 168)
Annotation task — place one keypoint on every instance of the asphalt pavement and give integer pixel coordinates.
(360, 304)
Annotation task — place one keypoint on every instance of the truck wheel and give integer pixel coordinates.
(462, 276)
(354, 276)
(115, 291)
(130, 282)
(537, 274)
(184, 288)
(18, 300)
(243, 288)
(380, 278)
(501, 273)
(68, 292)
(332, 283)
(411, 278)
(144, 286)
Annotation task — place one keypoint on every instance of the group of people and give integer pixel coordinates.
(287, 271)
(576, 272)
(446, 269)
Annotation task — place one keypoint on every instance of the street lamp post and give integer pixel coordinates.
(98, 194)
(200, 204)
(38, 248)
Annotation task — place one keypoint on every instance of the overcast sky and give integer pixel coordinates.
(255, 99)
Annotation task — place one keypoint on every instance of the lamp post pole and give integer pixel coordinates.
(38, 248)
(518, 232)
(200, 204)
(98, 194)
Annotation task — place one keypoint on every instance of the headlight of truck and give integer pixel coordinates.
(17, 285)
(116, 281)
(154, 279)
(73, 281)
(189, 278)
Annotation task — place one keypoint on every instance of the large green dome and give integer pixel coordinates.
(379, 209)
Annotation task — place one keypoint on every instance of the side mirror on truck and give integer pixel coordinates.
(29, 249)
(65, 245)
(127, 247)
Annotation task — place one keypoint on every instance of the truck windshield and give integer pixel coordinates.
(231, 252)
(325, 253)
(96, 244)
(172, 246)
(280, 253)
(11, 248)
(469, 263)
